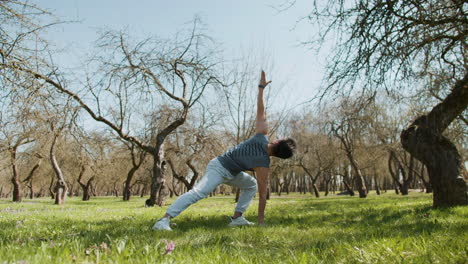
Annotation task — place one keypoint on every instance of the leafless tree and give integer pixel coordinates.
(29, 180)
(16, 130)
(144, 75)
(137, 158)
(58, 123)
(15, 179)
(87, 185)
(397, 171)
(349, 126)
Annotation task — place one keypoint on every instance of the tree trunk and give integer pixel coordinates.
(87, 188)
(60, 188)
(427, 184)
(348, 188)
(188, 185)
(127, 190)
(17, 197)
(144, 189)
(359, 179)
(346, 182)
(327, 186)
(404, 186)
(316, 191)
(157, 179)
(408, 177)
(424, 140)
(395, 173)
(348, 148)
(313, 179)
(29, 179)
(279, 186)
(287, 184)
(377, 187)
(51, 188)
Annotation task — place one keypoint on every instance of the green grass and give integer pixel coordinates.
(378, 229)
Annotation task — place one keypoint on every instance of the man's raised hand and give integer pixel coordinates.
(263, 83)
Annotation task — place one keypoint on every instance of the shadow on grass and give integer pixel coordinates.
(368, 218)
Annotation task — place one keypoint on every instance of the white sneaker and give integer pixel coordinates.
(240, 221)
(163, 224)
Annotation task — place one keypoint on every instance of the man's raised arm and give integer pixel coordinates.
(261, 125)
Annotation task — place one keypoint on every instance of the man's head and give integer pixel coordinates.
(282, 148)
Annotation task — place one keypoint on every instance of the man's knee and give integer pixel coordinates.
(251, 185)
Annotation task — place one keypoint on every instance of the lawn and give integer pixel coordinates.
(300, 229)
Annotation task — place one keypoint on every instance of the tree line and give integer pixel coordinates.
(144, 116)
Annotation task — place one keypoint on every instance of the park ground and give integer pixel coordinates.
(300, 229)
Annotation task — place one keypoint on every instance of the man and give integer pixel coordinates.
(253, 154)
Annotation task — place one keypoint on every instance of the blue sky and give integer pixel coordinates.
(239, 25)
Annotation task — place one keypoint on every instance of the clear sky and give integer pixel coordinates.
(239, 25)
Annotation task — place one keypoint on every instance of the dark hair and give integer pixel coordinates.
(284, 148)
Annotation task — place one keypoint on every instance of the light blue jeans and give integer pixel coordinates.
(215, 175)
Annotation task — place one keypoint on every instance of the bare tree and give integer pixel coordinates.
(29, 180)
(138, 156)
(61, 188)
(348, 128)
(15, 179)
(17, 131)
(322, 165)
(393, 45)
(179, 72)
(85, 186)
(397, 171)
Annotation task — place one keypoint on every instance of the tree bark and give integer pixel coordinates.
(327, 184)
(188, 185)
(424, 140)
(29, 179)
(195, 174)
(427, 183)
(157, 179)
(60, 188)
(51, 188)
(347, 182)
(127, 190)
(358, 178)
(86, 187)
(404, 186)
(376, 184)
(407, 175)
(312, 178)
(17, 197)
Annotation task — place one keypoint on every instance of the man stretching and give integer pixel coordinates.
(252, 154)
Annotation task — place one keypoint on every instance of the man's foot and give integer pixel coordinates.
(240, 221)
(162, 224)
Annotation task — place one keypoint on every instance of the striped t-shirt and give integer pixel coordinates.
(247, 155)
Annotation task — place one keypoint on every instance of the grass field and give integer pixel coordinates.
(300, 229)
